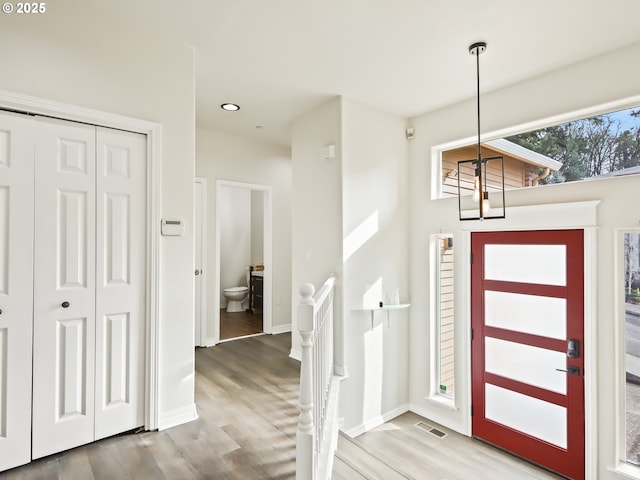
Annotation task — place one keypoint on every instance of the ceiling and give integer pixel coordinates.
(278, 59)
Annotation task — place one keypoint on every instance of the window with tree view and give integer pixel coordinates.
(596, 147)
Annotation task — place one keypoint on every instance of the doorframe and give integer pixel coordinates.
(39, 106)
(267, 311)
(202, 340)
(561, 216)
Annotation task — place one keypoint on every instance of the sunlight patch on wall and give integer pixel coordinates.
(359, 236)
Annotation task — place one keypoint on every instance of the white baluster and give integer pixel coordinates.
(305, 435)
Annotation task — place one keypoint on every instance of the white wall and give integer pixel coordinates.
(221, 156)
(317, 204)
(71, 57)
(375, 233)
(362, 189)
(235, 238)
(598, 81)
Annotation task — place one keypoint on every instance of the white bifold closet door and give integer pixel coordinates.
(89, 292)
(16, 287)
(120, 281)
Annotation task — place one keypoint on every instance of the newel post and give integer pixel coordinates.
(304, 436)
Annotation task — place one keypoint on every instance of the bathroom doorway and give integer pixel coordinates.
(243, 260)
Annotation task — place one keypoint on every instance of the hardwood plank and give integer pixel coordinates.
(166, 454)
(77, 466)
(344, 471)
(239, 324)
(36, 470)
(364, 462)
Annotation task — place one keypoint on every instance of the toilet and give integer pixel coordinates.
(237, 300)
(236, 297)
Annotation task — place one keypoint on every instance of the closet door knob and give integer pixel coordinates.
(65, 304)
(0, 311)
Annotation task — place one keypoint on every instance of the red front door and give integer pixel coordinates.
(527, 349)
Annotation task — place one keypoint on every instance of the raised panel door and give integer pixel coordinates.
(64, 287)
(120, 281)
(16, 287)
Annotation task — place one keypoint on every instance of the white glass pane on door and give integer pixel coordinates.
(524, 363)
(529, 415)
(540, 264)
(537, 315)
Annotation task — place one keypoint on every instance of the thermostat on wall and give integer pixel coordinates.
(172, 227)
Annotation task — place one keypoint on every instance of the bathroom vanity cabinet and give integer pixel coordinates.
(255, 292)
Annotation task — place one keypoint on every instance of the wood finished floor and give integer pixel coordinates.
(399, 450)
(247, 394)
(239, 324)
(247, 400)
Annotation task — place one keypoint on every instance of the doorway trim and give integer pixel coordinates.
(267, 320)
(560, 216)
(39, 106)
(202, 338)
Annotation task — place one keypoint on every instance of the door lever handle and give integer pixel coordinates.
(571, 370)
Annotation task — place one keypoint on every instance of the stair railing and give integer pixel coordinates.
(317, 434)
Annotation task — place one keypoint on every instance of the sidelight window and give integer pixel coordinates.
(631, 282)
(444, 344)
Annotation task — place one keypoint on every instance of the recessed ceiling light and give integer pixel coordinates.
(230, 107)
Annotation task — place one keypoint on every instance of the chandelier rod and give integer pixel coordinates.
(476, 49)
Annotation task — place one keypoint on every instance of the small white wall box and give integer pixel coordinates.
(329, 152)
(172, 227)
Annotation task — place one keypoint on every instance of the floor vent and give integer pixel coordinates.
(429, 429)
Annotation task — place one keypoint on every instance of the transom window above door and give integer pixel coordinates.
(600, 146)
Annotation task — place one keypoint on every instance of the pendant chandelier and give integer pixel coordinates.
(484, 176)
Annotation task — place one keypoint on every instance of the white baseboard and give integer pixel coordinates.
(296, 354)
(277, 329)
(177, 417)
(210, 342)
(377, 421)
